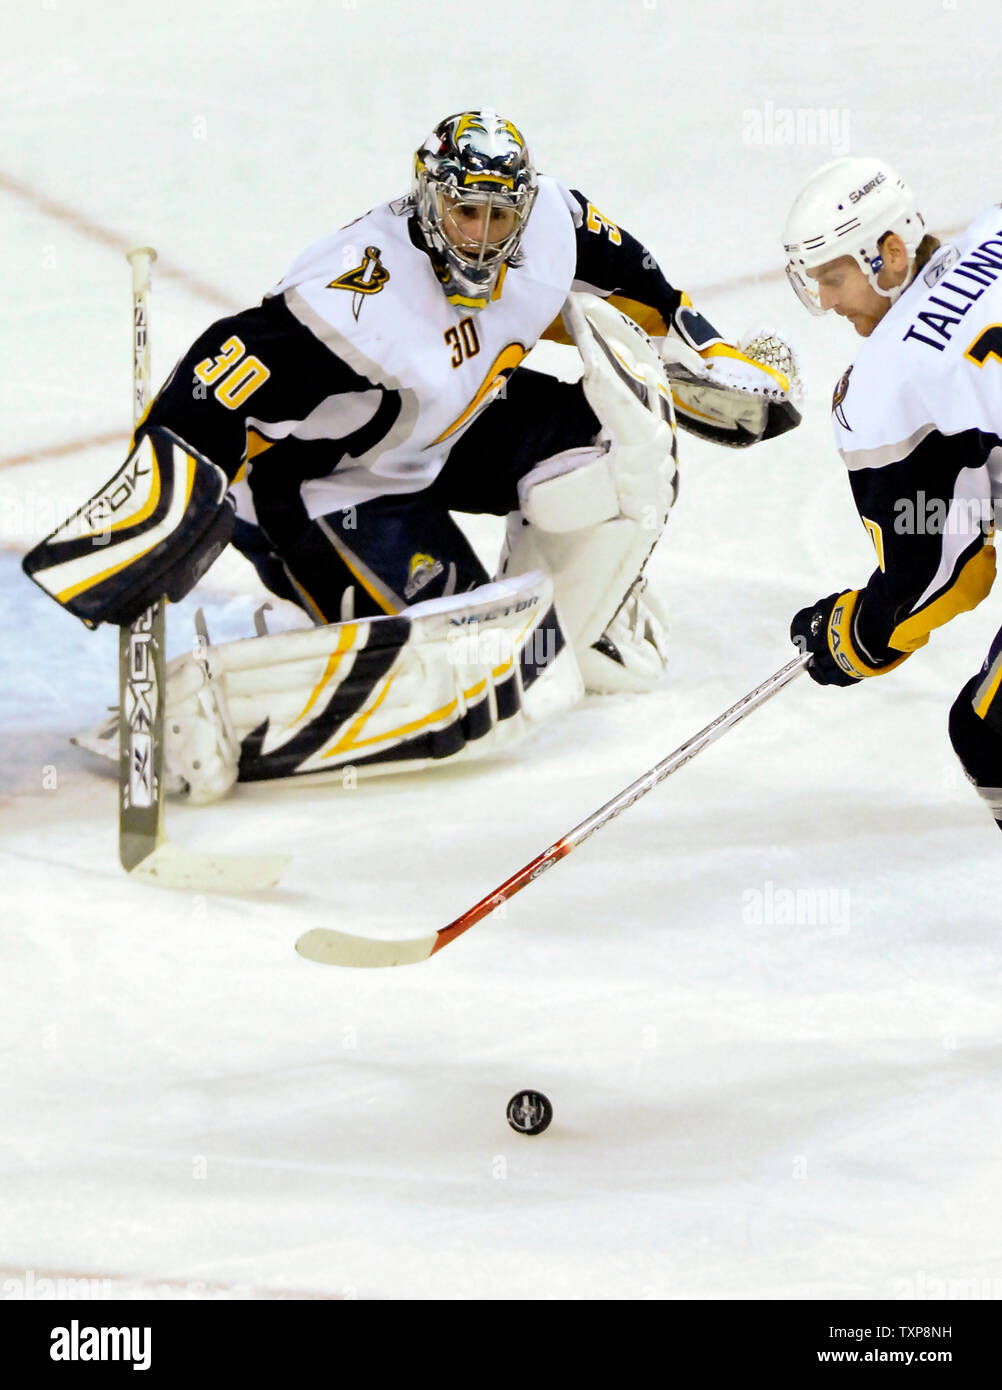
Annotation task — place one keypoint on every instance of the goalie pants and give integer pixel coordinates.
(399, 550)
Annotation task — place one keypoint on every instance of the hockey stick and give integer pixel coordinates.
(340, 948)
(143, 847)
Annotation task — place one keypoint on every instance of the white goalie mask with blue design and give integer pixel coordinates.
(474, 187)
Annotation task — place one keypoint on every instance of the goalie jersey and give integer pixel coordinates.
(355, 376)
(918, 422)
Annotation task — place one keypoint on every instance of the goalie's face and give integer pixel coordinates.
(479, 225)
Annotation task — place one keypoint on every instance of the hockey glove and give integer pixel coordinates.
(735, 395)
(153, 530)
(827, 630)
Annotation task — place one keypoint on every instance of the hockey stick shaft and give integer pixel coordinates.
(331, 947)
(144, 850)
(618, 804)
(141, 645)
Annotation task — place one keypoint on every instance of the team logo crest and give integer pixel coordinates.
(841, 391)
(422, 570)
(367, 278)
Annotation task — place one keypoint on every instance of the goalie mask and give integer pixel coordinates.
(846, 209)
(474, 187)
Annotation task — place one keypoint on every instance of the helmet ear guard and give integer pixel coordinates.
(848, 208)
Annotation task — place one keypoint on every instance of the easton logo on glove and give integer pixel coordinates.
(826, 630)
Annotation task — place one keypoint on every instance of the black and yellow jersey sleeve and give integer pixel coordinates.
(616, 266)
(251, 379)
(929, 515)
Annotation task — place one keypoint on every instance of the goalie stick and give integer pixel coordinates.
(143, 848)
(329, 947)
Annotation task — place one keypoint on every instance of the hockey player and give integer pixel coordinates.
(918, 421)
(376, 390)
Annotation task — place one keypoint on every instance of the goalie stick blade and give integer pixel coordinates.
(328, 947)
(171, 866)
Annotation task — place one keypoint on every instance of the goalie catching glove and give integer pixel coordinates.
(732, 395)
(152, 531)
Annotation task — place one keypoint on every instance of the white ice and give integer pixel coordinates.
(745, 1106)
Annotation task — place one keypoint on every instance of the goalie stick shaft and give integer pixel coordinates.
(339, 948)
(143, 847)
(141, 663)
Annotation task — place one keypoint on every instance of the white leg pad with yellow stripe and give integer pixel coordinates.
(452, 678)
(591, 517)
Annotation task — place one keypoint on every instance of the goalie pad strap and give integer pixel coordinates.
(693, 328)
(570, 491)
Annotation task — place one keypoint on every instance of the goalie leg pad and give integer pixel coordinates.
(153, 530)
(591, 517)
(455, 677)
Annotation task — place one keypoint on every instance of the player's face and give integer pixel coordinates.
(844, 288)
(474, 225)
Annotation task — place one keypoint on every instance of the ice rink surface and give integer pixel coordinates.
(765, 1002)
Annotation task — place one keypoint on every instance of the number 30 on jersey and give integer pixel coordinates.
(234, 375)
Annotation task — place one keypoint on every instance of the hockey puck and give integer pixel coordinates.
(529, 1112)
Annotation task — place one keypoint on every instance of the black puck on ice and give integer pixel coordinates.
(529, 1112)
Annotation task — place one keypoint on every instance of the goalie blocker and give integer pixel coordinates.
(153, 530)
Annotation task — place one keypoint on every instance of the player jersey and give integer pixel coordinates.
(918, 422)
(367, 294)
(355, 376)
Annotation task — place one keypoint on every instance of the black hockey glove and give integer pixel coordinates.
(828, 631)
(809, 633)
(153, 530)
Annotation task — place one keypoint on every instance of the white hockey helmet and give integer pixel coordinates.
(846, 209)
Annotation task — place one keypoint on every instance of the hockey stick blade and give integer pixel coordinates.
(329, 947)
(340, 948)
(173, 866)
